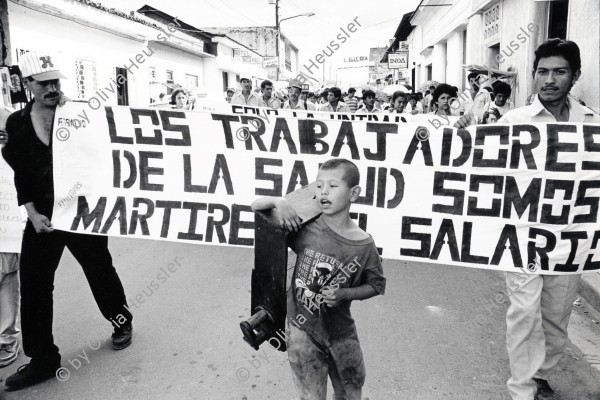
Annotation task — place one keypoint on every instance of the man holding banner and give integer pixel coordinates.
(29, 153)
(541, 305)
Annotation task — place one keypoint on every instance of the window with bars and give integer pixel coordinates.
(86, 78)
(491, 23)
(191, 81)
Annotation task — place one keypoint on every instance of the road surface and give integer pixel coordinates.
(438, 333)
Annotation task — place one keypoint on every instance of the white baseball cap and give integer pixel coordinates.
(40, 67)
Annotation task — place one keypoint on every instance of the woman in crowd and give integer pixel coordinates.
(399, 100)
(414, 106)
(441, 99)
(180, 99)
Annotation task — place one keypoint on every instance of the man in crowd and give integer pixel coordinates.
(427, 100)
(334, 103)
(230, 93)
(541, 305)
(294, 102)
(29, 153)
(351, 100)
(494, 110)
(245, 96)
(368, 97)
(267, 99)
(304, 94)
(475, 98)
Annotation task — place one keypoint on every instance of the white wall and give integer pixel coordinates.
(440, 27)
(439, 62)
(583, 30)
(454, 59)
(181, 63)
(68, 40)
(36, 31)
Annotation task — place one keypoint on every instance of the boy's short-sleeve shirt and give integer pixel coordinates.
(325, 258)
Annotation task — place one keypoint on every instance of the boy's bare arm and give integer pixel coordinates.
(287, 217)
(334, 297)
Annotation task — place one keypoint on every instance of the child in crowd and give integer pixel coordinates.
(414, 106)
(337, 263)
(493, 110)
(399, 100)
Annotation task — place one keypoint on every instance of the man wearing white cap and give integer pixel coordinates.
(29, 153)
(245, 96)
(294, 102)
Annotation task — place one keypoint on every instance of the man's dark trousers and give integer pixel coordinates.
(40, 256)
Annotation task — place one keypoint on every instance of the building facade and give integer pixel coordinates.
(234, 59)
(118, 58)
(501, 35)
(263, 40)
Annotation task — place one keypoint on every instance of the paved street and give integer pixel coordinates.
(419, 339)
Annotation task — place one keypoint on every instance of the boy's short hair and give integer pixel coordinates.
(351, 174)
(266, 83)
(502, 88)
(351, 90)
(368, 93)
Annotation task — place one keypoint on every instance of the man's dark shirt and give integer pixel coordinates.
(31, 160)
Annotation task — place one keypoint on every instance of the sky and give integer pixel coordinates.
(379, 20)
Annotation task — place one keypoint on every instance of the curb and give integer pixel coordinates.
(590, 289)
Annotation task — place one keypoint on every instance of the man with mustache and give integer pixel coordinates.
(29, 153)
(541, 305)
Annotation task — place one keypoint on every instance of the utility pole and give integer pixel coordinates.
(278, 28)
(5, 49)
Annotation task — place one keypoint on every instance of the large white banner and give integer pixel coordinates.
(11, 227)
(493, 197)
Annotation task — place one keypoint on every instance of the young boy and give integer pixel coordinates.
(494, 110)
(337, 263)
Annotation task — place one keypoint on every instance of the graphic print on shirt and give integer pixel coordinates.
(314, 271)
